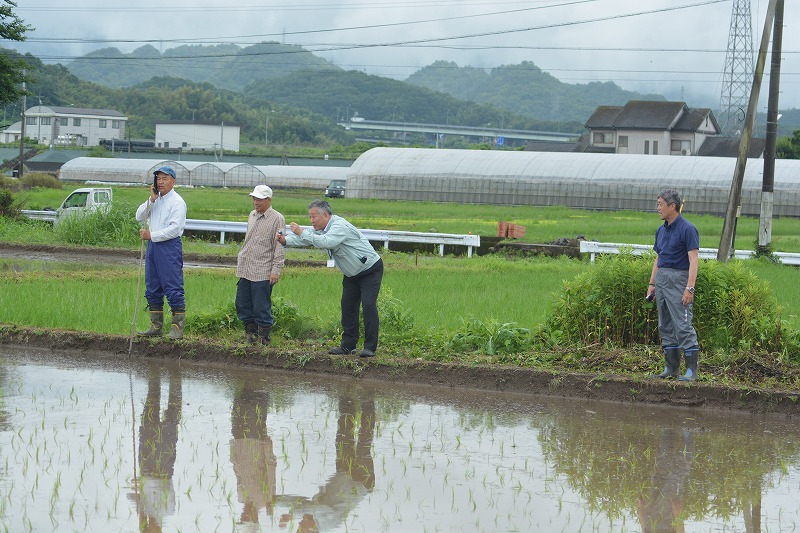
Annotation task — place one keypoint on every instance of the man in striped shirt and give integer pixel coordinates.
(259, 267)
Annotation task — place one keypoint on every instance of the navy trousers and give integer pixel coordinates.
(254, 302)
(163, 274)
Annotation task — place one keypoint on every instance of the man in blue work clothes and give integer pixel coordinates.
(166, 212)
(362, 267)
(672, 283)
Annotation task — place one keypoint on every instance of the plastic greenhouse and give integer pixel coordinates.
(196, 173)
(594, 181)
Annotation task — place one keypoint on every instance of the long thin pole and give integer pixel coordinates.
(139, 282)
(22, 129)
(768, 181)
(735, 195)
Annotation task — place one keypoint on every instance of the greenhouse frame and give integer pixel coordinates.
(199, 173)
(581, 180)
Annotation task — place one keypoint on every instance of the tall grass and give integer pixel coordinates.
(114, 227)
(442, 295)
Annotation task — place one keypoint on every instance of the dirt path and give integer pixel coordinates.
(113, 256)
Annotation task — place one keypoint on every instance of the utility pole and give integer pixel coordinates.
(221, 132)
(768, 183)
(22, 129)
(735, 196)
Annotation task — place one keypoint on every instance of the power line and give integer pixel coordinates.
(334, 47)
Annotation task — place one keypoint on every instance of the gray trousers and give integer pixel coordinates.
(674, 318)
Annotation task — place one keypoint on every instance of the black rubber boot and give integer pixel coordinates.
(691, 355)
(251, 333)
(264, 334)
(178, 321)
(672, 362)
(156, 324)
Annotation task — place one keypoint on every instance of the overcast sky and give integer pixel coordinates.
(673, 47)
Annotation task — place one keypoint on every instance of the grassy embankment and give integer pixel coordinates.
(442, 296)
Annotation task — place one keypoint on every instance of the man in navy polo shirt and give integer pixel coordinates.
(672, 283)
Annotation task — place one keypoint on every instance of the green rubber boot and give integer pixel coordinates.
(156, 324)
(178, 321)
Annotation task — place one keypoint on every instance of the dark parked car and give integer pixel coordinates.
(335, 189)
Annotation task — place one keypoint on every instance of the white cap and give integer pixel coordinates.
(261, 192)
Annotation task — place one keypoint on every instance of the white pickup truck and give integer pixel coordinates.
(84, 200)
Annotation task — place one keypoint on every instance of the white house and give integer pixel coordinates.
(653, 128)
(55, 125)
(198, 136)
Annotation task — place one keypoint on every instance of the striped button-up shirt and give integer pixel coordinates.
(261, 255)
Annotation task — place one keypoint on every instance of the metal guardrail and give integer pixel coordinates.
(594, 248)
(223, 227)
(49, 216)
(385, 236)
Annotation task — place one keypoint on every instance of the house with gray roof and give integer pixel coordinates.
(650, 128)
(68, 126)
(655, 128)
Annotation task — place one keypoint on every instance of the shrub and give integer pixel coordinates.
(9, 207)
(40, 179)
(11, 184)
(394, 316)
(114, 227)
(98, 151)
(223, 319)
(490, 337)
(733, 308)
(288, 321)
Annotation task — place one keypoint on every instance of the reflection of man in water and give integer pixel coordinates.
(355, 471)
(660, 509)
(158, 438)
(252, 456)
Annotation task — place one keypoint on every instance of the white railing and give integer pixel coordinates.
(594, 248)
(385, 236)
(223, 227)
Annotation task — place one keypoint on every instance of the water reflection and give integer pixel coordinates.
(661, 505)
(354, 477)
(252, 456)
(4, 416)
(208, 449)
(158, 438)
(673, 466)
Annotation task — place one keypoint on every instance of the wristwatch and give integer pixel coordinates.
(690, 289)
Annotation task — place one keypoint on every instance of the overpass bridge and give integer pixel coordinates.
(467, 131)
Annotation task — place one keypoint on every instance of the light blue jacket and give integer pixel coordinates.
(350, 250)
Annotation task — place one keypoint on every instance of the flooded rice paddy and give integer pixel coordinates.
(103, 443)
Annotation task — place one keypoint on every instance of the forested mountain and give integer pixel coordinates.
(519, 89)
(167, 98)
(340, 94)
(302, 96)
(226, 66)
(525, 89)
